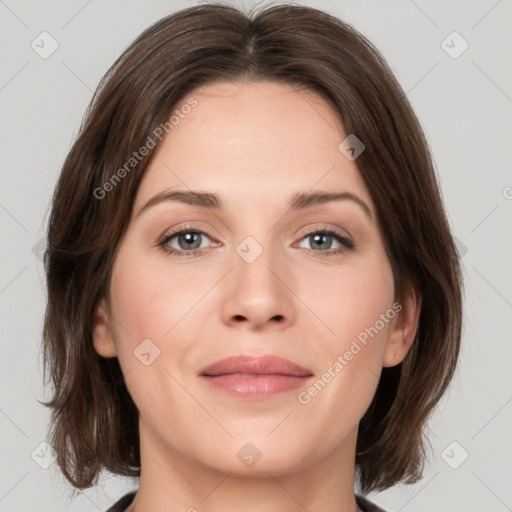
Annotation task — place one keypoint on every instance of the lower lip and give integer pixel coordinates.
(256, 386)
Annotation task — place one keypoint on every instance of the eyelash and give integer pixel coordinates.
(343, 240)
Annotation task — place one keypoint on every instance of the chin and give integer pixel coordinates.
(257, 456)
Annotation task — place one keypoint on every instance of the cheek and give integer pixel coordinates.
(148, 307)
(149, 302)
(351, 299)
(358, 311)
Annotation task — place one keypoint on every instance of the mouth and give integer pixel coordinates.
(255, 377)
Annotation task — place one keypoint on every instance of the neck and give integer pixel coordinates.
(173, 480)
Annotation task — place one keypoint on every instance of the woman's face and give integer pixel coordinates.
(251, 276)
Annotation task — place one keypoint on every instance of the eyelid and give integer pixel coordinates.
(180, 228)
(324, 228)
(171, 233)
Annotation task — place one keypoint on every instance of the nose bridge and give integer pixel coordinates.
(256, 292)
(257, 261)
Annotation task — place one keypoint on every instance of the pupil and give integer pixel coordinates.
(317, 238)
(190, 238)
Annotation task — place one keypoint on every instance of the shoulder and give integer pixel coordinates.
(367, 506)
(122, 504)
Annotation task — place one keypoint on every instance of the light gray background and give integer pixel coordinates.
(464, 105)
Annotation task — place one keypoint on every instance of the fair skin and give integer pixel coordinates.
(255, 145)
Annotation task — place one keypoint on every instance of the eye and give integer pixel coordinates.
(322, 240)
(184, 241)
(188, 241)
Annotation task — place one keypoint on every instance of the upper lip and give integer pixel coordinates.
(257, 365)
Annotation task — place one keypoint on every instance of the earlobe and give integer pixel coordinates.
(403, 332)
(102, 336)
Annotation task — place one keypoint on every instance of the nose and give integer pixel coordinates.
(258, 295)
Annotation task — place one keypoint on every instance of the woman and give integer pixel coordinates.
(254, 299)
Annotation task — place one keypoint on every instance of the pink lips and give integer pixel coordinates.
(255, 377)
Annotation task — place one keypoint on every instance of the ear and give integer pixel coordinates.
(102, 336)
(403, 330)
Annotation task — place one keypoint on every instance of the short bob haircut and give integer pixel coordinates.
(94, 421)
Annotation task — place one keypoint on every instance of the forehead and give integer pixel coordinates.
(252, 141)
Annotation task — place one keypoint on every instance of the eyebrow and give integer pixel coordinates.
(211, 201)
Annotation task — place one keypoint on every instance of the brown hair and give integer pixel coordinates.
(94, 422)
